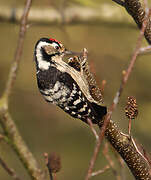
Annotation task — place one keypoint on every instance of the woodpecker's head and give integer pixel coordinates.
(47, 51)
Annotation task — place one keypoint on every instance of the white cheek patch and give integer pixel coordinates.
(43, 65)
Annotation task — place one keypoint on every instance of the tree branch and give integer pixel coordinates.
(19, 49)
(110, 161)
(144, 50)
(53, 163)
(6, 121)
(92, 129)
(19, 146)
(10, 171)
(122, 143)
(137, 163)
(135, 9)
(100, 171)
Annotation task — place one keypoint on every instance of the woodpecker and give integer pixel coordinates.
(62, 84)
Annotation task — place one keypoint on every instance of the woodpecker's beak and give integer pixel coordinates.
(67, 52)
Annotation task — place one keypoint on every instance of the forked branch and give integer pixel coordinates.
(124, 144)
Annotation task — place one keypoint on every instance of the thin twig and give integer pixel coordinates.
(121, 164)
(53, 163)
(19, 50)
(116, 99)
(100, 171)
(129, 69)
(146, 6)
(95, 153)
(129, 126)
(47, 164)
(1, 137)
(10, 171)
(146, 3)
(144, 50)
(110, 161)
(122, 168)
(92, 128)
(103, 83)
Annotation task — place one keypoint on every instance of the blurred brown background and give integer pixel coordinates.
(46, 128)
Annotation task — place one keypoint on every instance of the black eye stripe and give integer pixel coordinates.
(46, 56)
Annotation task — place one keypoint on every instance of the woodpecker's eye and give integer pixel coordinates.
(56, 47)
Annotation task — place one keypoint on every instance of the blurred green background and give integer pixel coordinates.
(46, 128)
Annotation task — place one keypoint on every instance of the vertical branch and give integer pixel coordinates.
(6, 121)
(19, 49)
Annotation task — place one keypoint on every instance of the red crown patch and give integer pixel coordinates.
(51, 39)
